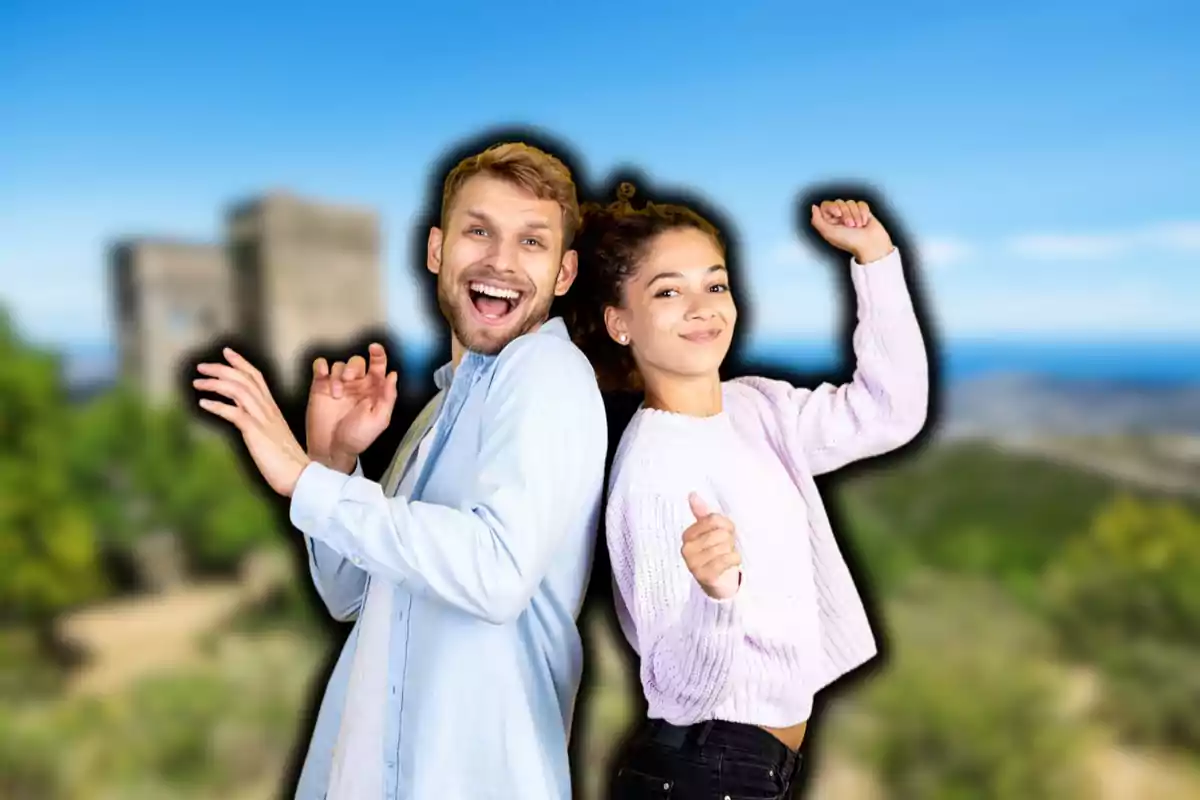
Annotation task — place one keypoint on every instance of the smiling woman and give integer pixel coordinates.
(725, 469)
(623, 271)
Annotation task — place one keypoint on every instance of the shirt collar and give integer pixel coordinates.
(445, 373)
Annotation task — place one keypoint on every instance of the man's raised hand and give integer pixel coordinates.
(349, 405)
(254, 412)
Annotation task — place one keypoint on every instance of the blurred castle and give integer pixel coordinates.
(291, 273)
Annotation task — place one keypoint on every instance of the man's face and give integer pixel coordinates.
(500, 262)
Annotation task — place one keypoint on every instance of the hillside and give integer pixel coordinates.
(976, 506)
(1022, 404)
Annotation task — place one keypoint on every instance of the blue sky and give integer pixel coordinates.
(1043, 159)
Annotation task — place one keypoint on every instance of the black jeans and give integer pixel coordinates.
(706, 761)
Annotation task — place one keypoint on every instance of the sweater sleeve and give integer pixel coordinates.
(685, 638)
(885, 404)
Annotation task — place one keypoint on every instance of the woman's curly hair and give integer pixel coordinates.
(612, 240)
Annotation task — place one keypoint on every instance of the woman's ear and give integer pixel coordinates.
(614, 321)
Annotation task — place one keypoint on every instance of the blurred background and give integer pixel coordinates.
(172, 177)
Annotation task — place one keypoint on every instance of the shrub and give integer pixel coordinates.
(1126, 598)
(967, 706)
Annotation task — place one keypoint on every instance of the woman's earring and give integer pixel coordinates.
(624, 339)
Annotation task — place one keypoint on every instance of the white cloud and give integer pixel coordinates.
(1130, 307)
(802, 303)
(1055, 246)
(65, 310)
(1179, 235)
(944, 251)
(1169, 236)
(935, 252)
(790, 254)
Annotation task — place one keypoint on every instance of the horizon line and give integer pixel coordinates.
(756, 341)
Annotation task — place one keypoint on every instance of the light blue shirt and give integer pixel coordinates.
(490, 558)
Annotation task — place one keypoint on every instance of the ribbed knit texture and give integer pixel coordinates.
(797, 622)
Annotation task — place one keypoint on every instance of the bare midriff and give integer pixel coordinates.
(792, 736)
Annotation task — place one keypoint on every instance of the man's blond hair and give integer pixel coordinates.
(534, 170)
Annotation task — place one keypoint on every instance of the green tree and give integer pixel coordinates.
(48, 552)
(146, 469)
(969, 705)
(1126, 597)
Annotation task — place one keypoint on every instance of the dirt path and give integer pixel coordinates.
(128, 639)
(132, 637)
(1124, 775)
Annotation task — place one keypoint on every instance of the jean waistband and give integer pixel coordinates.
(723, 734)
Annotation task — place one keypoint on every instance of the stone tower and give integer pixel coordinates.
(304, 273)
(171, 298)
(292, 273)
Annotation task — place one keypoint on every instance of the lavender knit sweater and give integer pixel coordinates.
(797, 622)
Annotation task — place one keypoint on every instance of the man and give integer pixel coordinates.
(465, 570)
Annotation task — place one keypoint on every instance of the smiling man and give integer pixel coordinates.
(491, 290)
(465, 568)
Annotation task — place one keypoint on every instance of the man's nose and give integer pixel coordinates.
(503, 255)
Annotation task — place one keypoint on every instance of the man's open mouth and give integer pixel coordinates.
(494, 303)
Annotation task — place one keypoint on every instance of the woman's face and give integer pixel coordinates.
(678, 313)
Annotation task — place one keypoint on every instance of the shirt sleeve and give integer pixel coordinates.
(885, 404)
(686, 639)
(540, 466)
(339, 583)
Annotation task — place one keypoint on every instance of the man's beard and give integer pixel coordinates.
(452, 302)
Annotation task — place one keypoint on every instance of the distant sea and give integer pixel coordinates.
(1145, 362)
(1134, 362)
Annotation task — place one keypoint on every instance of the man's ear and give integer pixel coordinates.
(433, 251)
(567, 271)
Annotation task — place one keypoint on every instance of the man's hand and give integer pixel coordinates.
(274, 449)
(348, 407)
(849, 225)
(710, 552)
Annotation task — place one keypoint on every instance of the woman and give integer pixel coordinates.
(730, 585)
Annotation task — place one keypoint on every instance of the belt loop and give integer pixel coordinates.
(670, 735)
(797, 762)
(704, 731)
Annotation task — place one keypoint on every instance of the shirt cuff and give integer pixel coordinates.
(316, 495)
(879, 282)
(706, 613)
